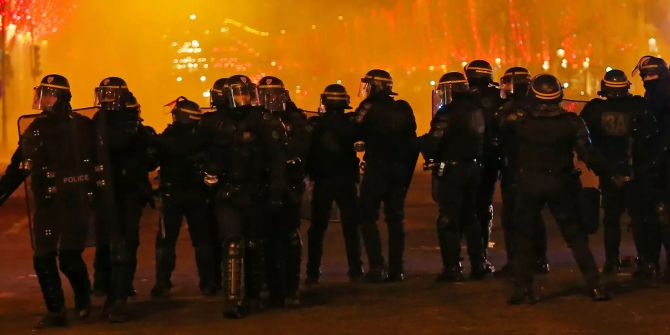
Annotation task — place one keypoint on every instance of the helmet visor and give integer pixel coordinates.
(45, 98)
(273, 98)
(243, 95)
(108, 97)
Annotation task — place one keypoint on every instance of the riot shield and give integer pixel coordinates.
(59, 154)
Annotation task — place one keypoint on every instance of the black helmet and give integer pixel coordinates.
(52, 94)
(272, 94)
(376, 82)
(335, 96)
(546, 89)
(479, 70)
(185, 111)
(241, 91)
(615, 84)
(111, 94)
(450, 83)
(651, 68)
(515, 82)
(218, 93)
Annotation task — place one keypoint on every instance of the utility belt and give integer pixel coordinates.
(440, 167)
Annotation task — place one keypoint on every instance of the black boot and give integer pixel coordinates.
(52, 319)
(377, 271)
(612, 267)
(102, 270)
(451, 274)
(599, 293)
(541, 266)
(522, 295)
(481, 269)
(116, 312)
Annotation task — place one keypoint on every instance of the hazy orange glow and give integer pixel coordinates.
(310, 44)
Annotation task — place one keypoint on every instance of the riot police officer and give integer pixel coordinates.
(654, 73)
(388, 128)
(183, 195)
(480, 77)
(624, 136)
(453, 148)
(128, 148)
(57, 153)
(284, 247)
(333, 166)
(514, 86)
(546, 136)
(246, 163)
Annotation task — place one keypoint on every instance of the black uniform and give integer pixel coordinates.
(334, 168)
(490, 102)
(546, 136)
(657, 95)
(183, 194)
(508, 188)
(127, 143)
(284, 252)
(388, 129)
(624, 137)
(57, 153)
(246, 158)
(455, 145)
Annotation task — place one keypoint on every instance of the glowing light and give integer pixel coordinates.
(443, 67)
(586, 64)
(432, 83)
(498, 61)
(564, 63)
(560, 52)
(464, 63)
(340, 17)
(273, 63)
(431, 68)
(566, 85)
(179, 79)
(313, 26)
(205, 94)
(545, 65)
(653, 47)
(283, 32)
(192, 16)
(339, 82)
(608, 69)
(203, 79)
(195, 43)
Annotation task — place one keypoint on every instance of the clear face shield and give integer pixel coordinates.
(442, 96)
(273, 98)
(243, 95)
(216, 97)
(364, 89)
(45, 98)
(109, 97)
(513, 84)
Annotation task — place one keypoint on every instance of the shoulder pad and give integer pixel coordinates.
(148, 130)
(403, 104)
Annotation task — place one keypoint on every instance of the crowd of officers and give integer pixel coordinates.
(237, 171)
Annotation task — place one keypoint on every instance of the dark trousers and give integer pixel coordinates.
(560, 193)
(73, 267)
(116, 261)
(456, 193)
(387, 184)
(509, 189)
(344, 193)
(196, 212)
(284, 250)
(487, 186)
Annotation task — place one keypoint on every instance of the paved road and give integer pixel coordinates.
(417, 306)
